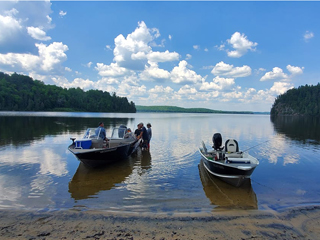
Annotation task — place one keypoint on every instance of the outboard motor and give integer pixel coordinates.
(217, 141)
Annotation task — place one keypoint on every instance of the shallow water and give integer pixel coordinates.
(37, 171)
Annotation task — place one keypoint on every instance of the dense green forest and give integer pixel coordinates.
(22, 93)
(184, 110)
(301, 101)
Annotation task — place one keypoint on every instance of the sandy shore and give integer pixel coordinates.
(297, 223)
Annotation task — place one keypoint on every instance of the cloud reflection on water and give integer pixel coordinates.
(40, 153)
(36, 168)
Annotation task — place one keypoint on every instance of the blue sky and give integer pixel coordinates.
(217, 55)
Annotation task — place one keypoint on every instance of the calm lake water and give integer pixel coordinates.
(37, 172)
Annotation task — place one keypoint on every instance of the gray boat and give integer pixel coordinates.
(227, 162)
(93, 151)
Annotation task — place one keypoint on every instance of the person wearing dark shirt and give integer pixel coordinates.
(137, 132)
(149, 134)
(144, 135)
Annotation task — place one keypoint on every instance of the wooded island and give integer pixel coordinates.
(301, 101)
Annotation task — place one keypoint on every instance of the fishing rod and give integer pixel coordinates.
(255, 146)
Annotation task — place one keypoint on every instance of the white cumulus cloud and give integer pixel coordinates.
(18, 20)
(181, 74)
(112, 70)
(218, 83)
(308, 35)
(154, 72)
(187, 90)
(276, 74)
(224, 69)
(135, 51)
(280, 87)
(241, 45)
(62, 13)
(9, 27)
(84, 84)
(295, 70)
(52, 55)
(161, 89)
(49, 58)
(38, 34)
(89, 64)
(136, 42)
(163, 56)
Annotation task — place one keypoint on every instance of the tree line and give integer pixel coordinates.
(301, 101)
(22, 93)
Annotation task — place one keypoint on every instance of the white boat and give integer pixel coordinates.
(227, 162)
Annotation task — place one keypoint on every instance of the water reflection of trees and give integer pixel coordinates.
(298, 128)
(18, 130)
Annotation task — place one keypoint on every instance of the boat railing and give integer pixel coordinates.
(118, 137)
(92, 133)
(118, 133)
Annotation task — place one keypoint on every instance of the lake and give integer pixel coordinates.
(37, 172)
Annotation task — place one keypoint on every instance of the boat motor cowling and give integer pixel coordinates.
(217, 141)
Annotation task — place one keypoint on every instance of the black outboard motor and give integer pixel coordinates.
(217, 141)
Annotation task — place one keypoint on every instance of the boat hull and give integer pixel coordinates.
(230, 173)
(103, 156)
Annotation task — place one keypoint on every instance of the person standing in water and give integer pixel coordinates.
(138, 131)
(144, 136)
(149, 131)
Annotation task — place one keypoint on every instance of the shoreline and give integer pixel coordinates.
(294, 223)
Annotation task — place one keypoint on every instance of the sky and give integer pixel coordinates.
(221, 55)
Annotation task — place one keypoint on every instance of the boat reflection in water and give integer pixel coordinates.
(226, 196)
(87, 182)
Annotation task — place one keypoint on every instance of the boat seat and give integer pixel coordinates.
(114, 142)
(97, 143)
(234, 155)
(231, 146)
(238, 160)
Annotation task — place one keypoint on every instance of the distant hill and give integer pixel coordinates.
(262, 113)
(301, 101)
(184, 110)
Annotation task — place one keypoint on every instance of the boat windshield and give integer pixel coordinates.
(92, 133)
(118, 133)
